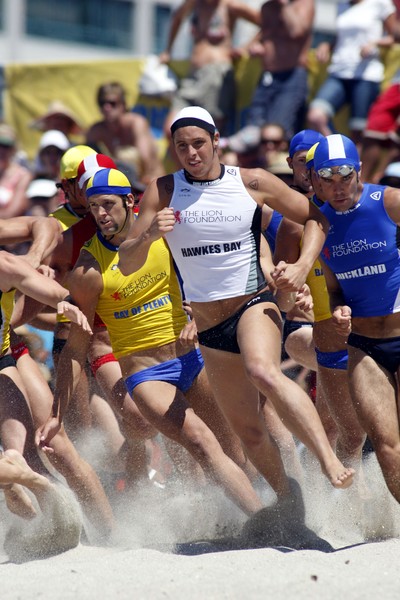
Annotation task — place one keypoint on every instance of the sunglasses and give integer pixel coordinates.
(343, 171)
(268, 141)
(112, 103)
(71, 181)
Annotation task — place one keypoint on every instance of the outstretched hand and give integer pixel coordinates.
(74, 314)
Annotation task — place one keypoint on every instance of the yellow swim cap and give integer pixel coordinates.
(310, 156)
(71, 159)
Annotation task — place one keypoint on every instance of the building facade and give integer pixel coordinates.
(37, 31)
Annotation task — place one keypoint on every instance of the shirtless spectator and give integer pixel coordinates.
(210, 82)
(14, 178)
(121, 129)
(282, 45)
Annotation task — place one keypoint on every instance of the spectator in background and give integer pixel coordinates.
(391, 175)
(59, 117)
(52, 146)
(44, 197)
(273, 142)
(356, 71)
(14, 178)
(121, 129)
(279, 167)
(282, 45)
(210, 82)
(381, 140)
(243, 148)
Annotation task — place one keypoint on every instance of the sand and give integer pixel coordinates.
(179, 543)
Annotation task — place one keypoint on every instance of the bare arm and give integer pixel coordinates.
(45, 234)
(43, 231)
(179, 15)
(287, 242)
(240, 10)
(153, 222)
(17, 273)
(392, 203)
(341, 312)
(85, 286)
(268, 189)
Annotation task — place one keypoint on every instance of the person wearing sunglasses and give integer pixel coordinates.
(329, 349)
(361, 265)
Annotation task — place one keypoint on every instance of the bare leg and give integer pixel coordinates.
(374, 393)
(135, 427)
(300, 346)
(283, 439)
(204, 405)
(166, 408)
(333, 383)
(351, 436)
(79, 474)
(239, 401)
(259, 339)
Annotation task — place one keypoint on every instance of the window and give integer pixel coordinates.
(95, 22)
(1, 14)
(162, 20)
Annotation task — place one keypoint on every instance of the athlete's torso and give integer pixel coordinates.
(362, 250)
(142, 310)
(216, 238)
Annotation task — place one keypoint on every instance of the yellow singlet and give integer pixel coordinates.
(66, 216)
(6, 308)
(142, 310)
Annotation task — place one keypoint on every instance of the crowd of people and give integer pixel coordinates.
(172, 298)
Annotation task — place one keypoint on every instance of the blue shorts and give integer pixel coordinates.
(181, 372)
(280, 98)
(358, 93)
(332, 360)
(223, 335)
(384, 351)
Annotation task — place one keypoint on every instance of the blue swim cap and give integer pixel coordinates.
(108, 181)
(303, 140)
(336, 150)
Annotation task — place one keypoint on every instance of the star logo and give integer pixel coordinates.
(326, 253)
(116, 296)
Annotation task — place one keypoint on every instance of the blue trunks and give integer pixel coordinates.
(384, 351)
(332, 360)
(181, 372)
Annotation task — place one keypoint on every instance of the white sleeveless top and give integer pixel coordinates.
(216, 238)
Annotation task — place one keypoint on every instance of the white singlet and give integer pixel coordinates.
(216, 238)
